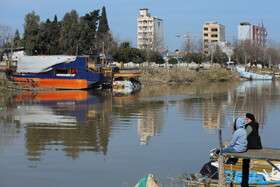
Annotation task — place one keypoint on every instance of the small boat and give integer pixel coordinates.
(252, 76)
(277, 75)
(56, 71)
(126, 80)
(255, 178)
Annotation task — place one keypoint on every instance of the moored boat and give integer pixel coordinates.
(126, 80)
(255, 178)
(56, 71)
(252, 76)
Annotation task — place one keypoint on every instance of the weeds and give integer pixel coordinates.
(176, 75)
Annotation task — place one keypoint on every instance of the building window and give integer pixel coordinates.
(206, 28)
(214, 35)
(213, 41)
(205, 34)
(214, 29)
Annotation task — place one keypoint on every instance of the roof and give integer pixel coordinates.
(37, 64)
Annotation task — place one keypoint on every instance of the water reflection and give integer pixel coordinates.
(166, 118)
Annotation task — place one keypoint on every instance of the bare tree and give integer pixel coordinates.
(157, 44)
(6, 38)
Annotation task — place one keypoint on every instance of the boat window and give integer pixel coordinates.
(61, 71)
(66, 72)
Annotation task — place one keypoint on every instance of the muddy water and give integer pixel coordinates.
(114, 138)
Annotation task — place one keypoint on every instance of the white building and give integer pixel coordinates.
(244, 31)
(256, 33)
(149, 32)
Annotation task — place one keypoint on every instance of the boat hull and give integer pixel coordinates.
(52, 83)
(253, 76)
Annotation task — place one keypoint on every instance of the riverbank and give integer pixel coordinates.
(178, 75)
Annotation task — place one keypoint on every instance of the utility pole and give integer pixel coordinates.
(103, 55)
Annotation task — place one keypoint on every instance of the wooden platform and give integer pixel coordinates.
(267, 154)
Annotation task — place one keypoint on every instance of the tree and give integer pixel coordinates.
(272, 57)
(105, 40)
(219, 56)
(103, 27)
(44, 37)
(6, 36)
(31, 31)
(17, 40)
(248, 51)
(69, 33)
(195, 57)
(88, 27)
(155, 56)
(173, 61)
(54, 47)
(127, 54)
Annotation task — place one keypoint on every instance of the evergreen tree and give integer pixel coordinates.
(88, 27)
(55, 34)
(69, 33)
(17, 41)
(31, 31)
(103, 27)
(104, 42)
(45, 34)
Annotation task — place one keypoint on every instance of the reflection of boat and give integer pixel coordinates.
(252, 76)
(57, 107)
(66, 72)
(126, 80)
(125, 90)
(243, 85)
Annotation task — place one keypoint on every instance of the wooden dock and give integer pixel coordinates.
(267, 154)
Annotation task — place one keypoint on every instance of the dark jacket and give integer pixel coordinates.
(254, 139)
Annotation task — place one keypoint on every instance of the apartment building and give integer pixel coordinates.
(256, 33)
(212, 32)
(149, 31)
(244, 31)
(259, 35)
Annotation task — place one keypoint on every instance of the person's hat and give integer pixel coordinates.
(250, 116)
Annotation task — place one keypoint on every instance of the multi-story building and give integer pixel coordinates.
(255, 33)
(212, 32)
(149, 31)
(259, 35)
(244, 31)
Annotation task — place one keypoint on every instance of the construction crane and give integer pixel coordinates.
(189, 36)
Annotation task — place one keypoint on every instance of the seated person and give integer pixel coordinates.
(238, 143)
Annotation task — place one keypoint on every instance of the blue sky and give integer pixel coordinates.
(179, 16)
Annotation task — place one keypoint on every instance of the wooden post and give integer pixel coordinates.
(221, 162)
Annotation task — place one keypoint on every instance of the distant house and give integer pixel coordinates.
(167, 55)
(17, 52)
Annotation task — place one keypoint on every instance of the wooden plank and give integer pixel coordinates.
(268, 154)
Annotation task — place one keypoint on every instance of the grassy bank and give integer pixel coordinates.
(181, 75)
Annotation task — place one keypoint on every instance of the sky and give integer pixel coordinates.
(179, 16)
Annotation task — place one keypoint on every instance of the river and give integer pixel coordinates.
(114, 138)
